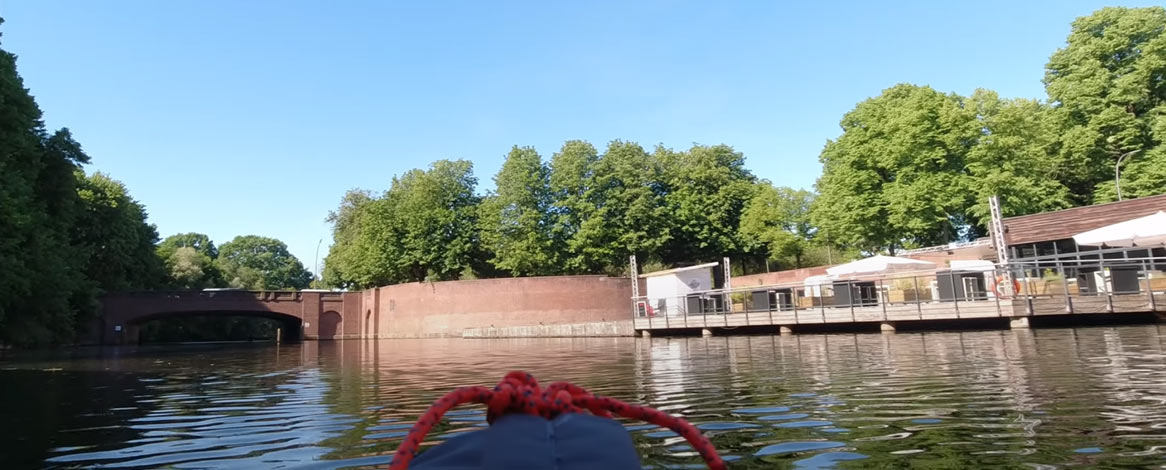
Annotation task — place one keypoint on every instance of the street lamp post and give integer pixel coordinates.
(1117, 171)
(317, 273)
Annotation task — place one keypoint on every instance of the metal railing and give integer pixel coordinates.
(954, 290)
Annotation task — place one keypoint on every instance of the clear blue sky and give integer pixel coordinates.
(254, 117)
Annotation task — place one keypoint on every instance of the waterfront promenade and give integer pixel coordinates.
(1014, 294)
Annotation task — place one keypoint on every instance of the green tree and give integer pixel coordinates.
(1016, 158)
(200, 242)
(626, 190)
(260, 263)
(344, 256)
(434, 214)
(423, 228)
(571, 177)
(189, 269)
(1107, 89)
(189, 261)
(516, 222)
(113, 233)
(43, 294)
(896, 176)
(778, 219)
(707, 189)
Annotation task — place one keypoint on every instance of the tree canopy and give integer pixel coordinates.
(189, 259)
(778, 221)
(113, 232)
(1107, 87)
(896, 175)
(260, 263)
(516, 221)
(913, 166)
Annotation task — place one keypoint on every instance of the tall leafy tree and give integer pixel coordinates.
(189, 269)
(43, 293)
(627, 191)
(258, 263)
(516, 221)
(572, 171)
(200, 242)
(707, 189)
(896, 176)
(435, 218)
(345, 255)
(778, 219)
(1016, 158)
(1107, 88)
(118, 242)
(423, 228)
(189, 260)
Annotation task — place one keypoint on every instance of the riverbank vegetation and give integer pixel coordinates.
(67, 236)
(912, 167)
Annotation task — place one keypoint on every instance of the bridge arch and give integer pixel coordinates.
(291, 326)
(306, 314)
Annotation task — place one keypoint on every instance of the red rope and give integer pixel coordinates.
(519, 393)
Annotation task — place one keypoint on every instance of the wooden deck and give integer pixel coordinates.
(909, 312)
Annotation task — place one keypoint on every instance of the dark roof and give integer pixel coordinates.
(1057, 225)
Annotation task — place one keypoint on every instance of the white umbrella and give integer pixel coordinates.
(817, 280)
(971, 265)
(814, 284)
(879, 265)
(1142, 231)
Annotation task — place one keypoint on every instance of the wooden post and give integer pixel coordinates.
(850, 288)
(1149, 288)
(1108, 282)
(955, 298)
(822, 302)
(883, 301)
(768, 310)
(794, 299)
(918, 302)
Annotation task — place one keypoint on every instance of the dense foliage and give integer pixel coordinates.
(583, 212)
(189, 260)
(253, 262)
(64, 236)
(67, 237)
(913, 166)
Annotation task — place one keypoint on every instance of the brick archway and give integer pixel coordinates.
(308, 314)
(291, 326)
(330, 324)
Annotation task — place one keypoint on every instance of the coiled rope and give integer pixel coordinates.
(519, 392)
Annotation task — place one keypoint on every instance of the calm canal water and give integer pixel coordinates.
(1088, 397)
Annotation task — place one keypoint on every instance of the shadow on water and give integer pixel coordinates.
(1002, 399)
(41, 410)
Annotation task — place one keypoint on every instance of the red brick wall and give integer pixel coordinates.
(446, 308)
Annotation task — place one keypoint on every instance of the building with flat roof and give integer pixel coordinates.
(1048, 236)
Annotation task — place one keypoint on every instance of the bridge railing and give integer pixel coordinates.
(264, 295)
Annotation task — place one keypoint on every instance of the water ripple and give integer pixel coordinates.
(1035, 399)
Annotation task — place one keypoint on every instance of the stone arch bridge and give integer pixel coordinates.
(309, 315)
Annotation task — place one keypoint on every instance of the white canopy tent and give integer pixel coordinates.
(972, 265)
(1143, 231)
(879, 264)
(814, 284)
